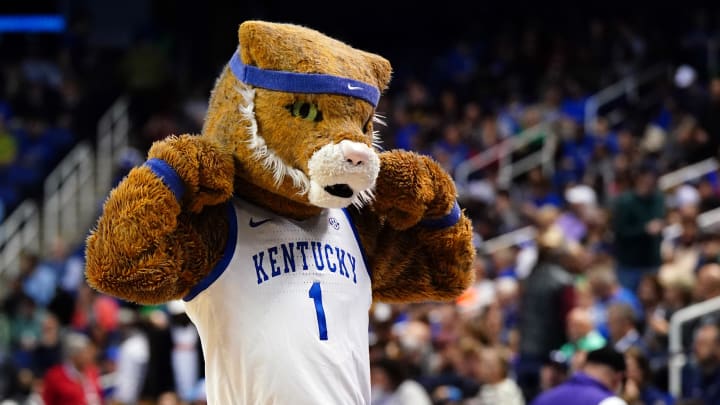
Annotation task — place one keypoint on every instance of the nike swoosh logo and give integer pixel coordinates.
(254, 224)
(351, 87)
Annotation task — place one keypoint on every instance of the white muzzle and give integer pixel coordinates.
(342, 174)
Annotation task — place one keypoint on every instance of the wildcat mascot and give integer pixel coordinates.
(281, 222)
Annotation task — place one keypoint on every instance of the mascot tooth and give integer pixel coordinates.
(280, 223)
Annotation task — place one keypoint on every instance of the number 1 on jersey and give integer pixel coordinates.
(316, 295)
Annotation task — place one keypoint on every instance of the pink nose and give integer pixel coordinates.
(355, 153)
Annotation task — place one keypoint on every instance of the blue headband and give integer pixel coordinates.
(293, 82)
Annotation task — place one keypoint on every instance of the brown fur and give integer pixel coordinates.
(149, 248)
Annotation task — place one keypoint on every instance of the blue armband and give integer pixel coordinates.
(168, 175)
(448, 220)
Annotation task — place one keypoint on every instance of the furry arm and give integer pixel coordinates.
(162, 230)
(418, 242)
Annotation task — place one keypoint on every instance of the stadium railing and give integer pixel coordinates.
(19, 231)
(605, 102)
(688, 173)
(72, 192)
(509, 239)
(678, 357)
(666, 183)
(69, 196)
(503, 154)
(113, 129)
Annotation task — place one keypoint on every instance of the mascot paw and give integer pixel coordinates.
(206, 168)
(411, 188)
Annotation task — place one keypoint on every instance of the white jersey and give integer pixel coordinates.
(283, 318)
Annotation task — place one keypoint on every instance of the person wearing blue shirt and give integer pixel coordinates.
(607, 291)
(38, 281)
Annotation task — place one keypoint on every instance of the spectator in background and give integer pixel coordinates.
(638, 388)
(707, 287)
(542, 192)
(450, 150)
(581, 202)
(655, 327)
(709, 247)
(554, 371)
(581, 333)
(606, 291)
(392, 386)
(508, 298)
(39, 282)
(132, 359)
(601, 173)
(47, 353)
(637, 224)
(507, 212)
(677, 295)
(186, 353)
(407, 130)
(547, 297)
(709, 196)
(159, 374)
(490, 326)
(708, 282)
(74, 274)
(603, 134)
(685, 200)
(682, 254)
(25, 331)
(497, 387)
(595, 384)
(76, 380)
(701, 377)
(456, 376)
(621, 327)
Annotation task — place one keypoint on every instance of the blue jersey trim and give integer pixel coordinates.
(220, 267)
(359, 242)
(168, 175)
(448, 220)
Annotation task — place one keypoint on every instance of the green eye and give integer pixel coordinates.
(306, 111)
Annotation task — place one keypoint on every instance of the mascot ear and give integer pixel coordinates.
(255, 38)
(381, 68)
(295, 48)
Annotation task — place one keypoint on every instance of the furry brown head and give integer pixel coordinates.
(314, 148)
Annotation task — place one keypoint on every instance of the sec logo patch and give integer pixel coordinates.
(334, 223)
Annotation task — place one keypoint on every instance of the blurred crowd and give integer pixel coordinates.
(38, 97)
(610, 258)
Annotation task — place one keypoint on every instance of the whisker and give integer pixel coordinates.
(261, 152)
